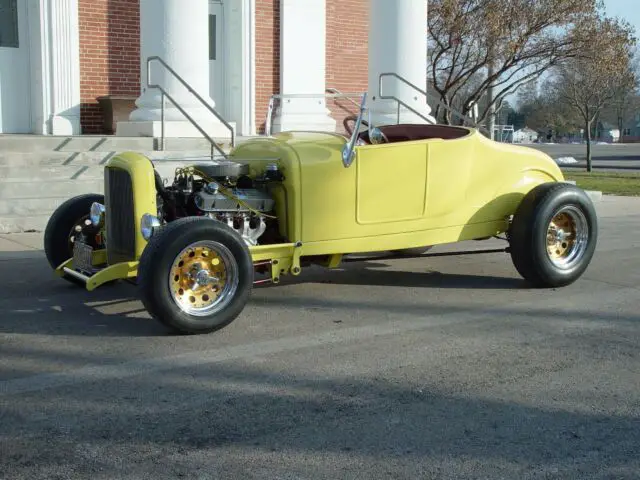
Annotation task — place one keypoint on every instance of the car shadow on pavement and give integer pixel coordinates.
(35, 301)
(371, 274)
(113, 311)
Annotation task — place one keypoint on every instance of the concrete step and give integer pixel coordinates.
(31, 206)
(38, 173)
(52, 172)
(21, 223)
(64, 188)
(49, 174)
(17, 224)
(91, 143)
(51, 159)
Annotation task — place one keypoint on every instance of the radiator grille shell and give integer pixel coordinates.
(120, 216)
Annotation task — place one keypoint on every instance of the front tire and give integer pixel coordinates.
(553, 235)
(195, 276)
(69, 222)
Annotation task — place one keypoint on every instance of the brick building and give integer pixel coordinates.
(58, 57)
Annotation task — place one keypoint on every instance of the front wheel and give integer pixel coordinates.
(69, 223)
(553, 235)
(195, 275)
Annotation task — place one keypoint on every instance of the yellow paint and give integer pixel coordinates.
(140, 169)
(117, 271)
(398, 195)
(334, 261)
(393, 196)
(111, 273)
(60, 270)
(380, 197)
(261, 253)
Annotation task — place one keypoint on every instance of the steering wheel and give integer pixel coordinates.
(352, 118)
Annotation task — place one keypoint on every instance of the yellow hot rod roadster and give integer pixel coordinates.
(197, 247)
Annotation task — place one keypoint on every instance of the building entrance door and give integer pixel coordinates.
(217, 56)
(15, 82)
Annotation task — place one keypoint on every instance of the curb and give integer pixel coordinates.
(595, 195)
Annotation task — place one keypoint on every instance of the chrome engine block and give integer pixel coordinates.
(249, 227)
(225, 193)
(244, 200)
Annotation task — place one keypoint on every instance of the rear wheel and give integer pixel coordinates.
(554, 235)
(195, 275)
(70, 222)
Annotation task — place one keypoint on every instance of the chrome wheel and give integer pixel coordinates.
(203, 278)
(553, 235)
(567, 237)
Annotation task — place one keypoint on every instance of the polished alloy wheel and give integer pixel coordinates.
(203, 278)
(567, 236)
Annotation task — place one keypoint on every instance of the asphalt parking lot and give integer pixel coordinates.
(445, 367)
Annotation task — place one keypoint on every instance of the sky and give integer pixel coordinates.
(626, 9)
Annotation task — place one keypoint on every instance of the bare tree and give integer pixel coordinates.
(477, 46)
(625, 100)
(604, 70)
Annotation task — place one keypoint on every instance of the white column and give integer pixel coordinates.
(241, 46)
(398, 44)
(55, 64)
(178, 32)
(302, 67)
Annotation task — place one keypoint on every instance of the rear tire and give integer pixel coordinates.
(553, 235)
(70, 220)
(195, 275)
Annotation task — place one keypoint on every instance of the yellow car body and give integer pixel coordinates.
(393, 196)
(396, 195)
(278, 203)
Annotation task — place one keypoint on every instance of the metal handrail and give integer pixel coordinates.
(430, 98)
(338, 92)
(164, 93)
(273, 98)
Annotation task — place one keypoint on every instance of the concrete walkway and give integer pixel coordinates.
(21, 242)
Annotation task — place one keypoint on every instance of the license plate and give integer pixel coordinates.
(82, 257)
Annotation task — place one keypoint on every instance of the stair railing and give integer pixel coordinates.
(432, 100)
(288, 96)
(164, 93)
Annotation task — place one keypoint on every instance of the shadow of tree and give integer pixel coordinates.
(221, 421)
(261, 415)
(371, 274)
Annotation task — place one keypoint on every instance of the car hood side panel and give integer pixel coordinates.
(312, 166)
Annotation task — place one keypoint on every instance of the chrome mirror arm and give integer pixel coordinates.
(348, 150)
